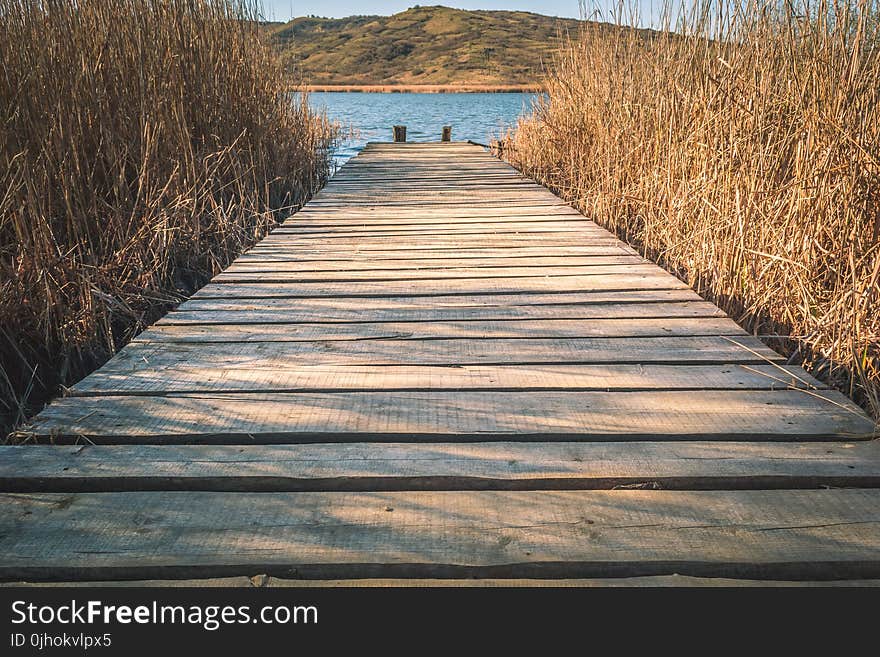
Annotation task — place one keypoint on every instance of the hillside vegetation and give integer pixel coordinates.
(743, 155)
(423, 45)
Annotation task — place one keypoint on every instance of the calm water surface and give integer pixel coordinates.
(369, 116)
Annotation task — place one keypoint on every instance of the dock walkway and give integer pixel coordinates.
(438, 369)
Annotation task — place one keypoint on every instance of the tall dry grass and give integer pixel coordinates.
(740, 147)
(144, 143)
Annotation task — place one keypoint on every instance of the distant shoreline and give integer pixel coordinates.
(426, 88)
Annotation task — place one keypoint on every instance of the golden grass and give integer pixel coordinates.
(145, 143)
(742, 151)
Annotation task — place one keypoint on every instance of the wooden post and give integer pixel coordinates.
(399, 133)
(447, 133)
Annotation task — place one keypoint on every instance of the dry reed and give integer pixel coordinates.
(144, 144)
(740, 149)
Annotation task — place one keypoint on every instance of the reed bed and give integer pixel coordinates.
(739, 147)
(144, 144)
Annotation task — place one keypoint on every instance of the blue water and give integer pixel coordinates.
(369, 116)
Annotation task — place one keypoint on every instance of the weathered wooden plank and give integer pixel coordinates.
(440, 329)
(350, 220)
(500, 182)
(423, 150)
(378, 173)
(369, 159)
(607, 582)
(440, 466)
(324, 306)
(524, 351)
(432, 232)
(817, 534)
(502, 247)
(447, 239)
(415, 171)
(415, 220)
(413, 165)
(256, 262)
(249, 312)
(448, 215)
(447, 177)
(474, 214)
(261, 581)
(367, 187)
(378, 253)
(267, 274)
(499, 197)
(377, 150)
(460, 242)
(409, 179)
(418, 219)
(424, 158)
(452, 415)
(456, 197)
(444, 287)
(346, 223)
(406, 161)
(411, 170)
(372, 173)
(510, 175)
(430, 200)
(191, 377)
(342, 307)
(440, 180)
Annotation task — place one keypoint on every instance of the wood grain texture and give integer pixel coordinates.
(453, 239)
(428, 200)
(439, 329)
(294, 250)
(440, 466)
(507, 303)
(373, 310)
(523, 351)
(281, 275)
(261, 580)
(539, 231)
(565, 534)
(441, 227)
(470, 415)
(416, 221)
(191, 377)
(259, 262)
(442, 286)
(515, 211)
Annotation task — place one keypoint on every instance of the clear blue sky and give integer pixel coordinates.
(282, 10)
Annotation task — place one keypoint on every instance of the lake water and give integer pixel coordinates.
(369, 116)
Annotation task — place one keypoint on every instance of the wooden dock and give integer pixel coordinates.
(438, 370)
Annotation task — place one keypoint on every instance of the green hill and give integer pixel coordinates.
(423, 45)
